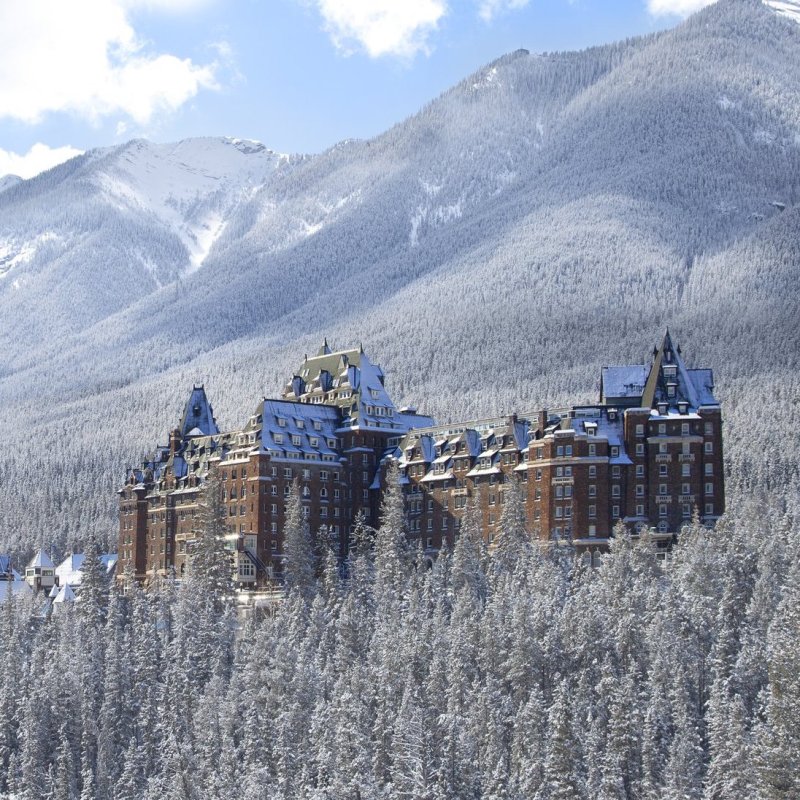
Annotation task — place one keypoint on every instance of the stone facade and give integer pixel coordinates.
(648, 454)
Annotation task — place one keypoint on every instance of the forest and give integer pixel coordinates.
(521, 673)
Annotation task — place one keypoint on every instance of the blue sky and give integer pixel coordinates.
(298, 75)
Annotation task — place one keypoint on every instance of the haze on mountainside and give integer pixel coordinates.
(548, 214)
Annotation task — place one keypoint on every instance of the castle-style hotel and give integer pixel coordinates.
(649, 453)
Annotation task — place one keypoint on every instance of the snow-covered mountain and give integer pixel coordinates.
(549, 214)
(89, 237)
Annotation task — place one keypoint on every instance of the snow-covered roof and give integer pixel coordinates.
(17, 587)
(623, 382)
(70, 569)
(65, 595)
(41, 561)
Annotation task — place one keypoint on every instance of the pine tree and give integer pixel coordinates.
(298, 550)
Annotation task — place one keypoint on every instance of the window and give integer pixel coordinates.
(640, 470)
(559, 492)
(686, 448)
(568, 450)
(592, 511)
(560, 451)
(567, 472)
(614, 452)
(282, 422)
(686, 470)
(615, 472)
(709, 488)
(639, 490)
(709, 429)
(662, 511)
(708, 447)
(559, 512)
(296, 440)
(684, 429)
(709, 508)
(687, 510)
(662, 429)
(662, 447)
(538, 474)
(662, 470)
(592, 490)
(593, 530)
(685, 489)
(538, 452)
(323, 475)
(640, 511)
(592, 449)
(592, 471)
(615, 490)
(287, 472)
(559, 472)
(615, 512)
(640, 430)
(662, 488)
(639, 449)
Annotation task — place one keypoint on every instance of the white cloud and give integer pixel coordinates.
(489, 9)
(382, 27)
(39, 158)
(681, 7)
(85, 57)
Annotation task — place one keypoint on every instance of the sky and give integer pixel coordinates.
(297, 75)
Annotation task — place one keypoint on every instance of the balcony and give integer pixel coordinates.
(663, 458)
(563, 481)
(663, 498)
(686, 457)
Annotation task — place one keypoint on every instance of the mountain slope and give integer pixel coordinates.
(547, 215)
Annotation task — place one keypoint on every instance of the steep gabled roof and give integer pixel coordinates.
(41, 560)
(198, 417)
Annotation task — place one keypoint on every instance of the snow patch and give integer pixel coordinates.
(190, 186)
(487, 80)
(725, 103)
(764, 137)
(13, 253)
(786, 8)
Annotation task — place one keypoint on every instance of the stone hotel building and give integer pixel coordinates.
(649, 453)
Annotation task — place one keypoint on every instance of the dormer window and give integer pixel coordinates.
(300, 423)
(282, 422)
(683, 407)
(662, 409)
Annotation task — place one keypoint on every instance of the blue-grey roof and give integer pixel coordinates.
(198, 418)
(625, 381)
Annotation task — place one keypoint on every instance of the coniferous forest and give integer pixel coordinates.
(520, 673)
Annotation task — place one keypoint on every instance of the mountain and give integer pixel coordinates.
(549, 214)
(7, 181)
